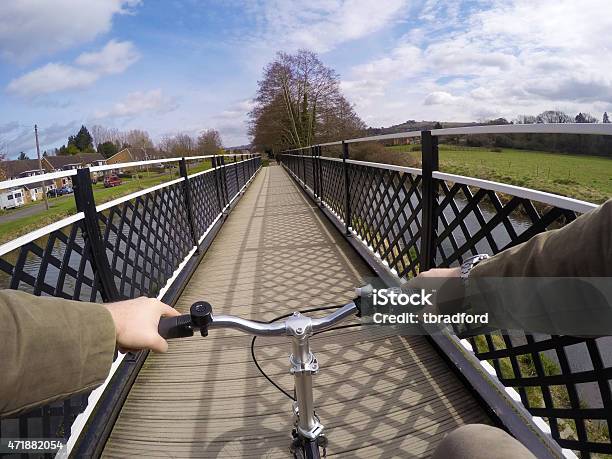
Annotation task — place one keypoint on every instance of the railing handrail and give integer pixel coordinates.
(51, 176)
(40, 232)
(536, 128)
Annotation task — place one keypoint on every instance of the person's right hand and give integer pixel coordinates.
(136, 323)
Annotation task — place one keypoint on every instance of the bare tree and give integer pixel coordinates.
(180, 144)
(103, 134)
(553, 116)
(525, 119)
(209, 142)
(137, 138)
(299, 100)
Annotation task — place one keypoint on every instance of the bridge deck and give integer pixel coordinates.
(378, 395)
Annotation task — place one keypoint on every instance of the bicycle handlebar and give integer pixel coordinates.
(201, 318)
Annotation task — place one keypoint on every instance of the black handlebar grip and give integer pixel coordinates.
(175, 327)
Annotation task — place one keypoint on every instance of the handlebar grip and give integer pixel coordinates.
(175, 327)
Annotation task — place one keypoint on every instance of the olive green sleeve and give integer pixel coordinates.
(51, 348)
(582, 248)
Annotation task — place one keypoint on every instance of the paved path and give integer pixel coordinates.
(378, 395)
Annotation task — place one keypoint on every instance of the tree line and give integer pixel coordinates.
(109, 141)
(599, 145)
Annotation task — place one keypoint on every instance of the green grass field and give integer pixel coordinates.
(64, 206)
(578, 176)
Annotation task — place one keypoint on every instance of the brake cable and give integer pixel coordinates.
(263, 373)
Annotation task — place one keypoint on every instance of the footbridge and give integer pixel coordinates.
(302, 231)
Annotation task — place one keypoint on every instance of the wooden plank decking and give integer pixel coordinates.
(378, 395)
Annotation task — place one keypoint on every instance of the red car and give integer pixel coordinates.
(111, 180)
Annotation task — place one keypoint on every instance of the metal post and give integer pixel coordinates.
(430, 163)
(188, 201)
(224, 179)
(217, 189)
(347, 196)
(320, 173)
(85, 202)
(236, 175)
(303, 169)
(314, 172)
(40, 168)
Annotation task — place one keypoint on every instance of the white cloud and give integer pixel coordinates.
(441, 98)
(320, 25)
(140, 103)
(51, 78)
(232, 123)
(115, 57)
(33, 28)
(509, 57)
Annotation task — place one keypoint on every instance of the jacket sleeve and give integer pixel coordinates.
(51, 348)
(582, 248)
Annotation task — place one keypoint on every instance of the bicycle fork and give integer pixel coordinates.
(303, 365)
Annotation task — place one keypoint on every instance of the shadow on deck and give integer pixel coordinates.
(378, 394)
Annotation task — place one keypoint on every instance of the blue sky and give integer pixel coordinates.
(185, 66)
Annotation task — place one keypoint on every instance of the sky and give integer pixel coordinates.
(185, 66)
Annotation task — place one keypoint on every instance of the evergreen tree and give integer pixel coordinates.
(83, 140)
(23, 156)
(605, 118)
(107, 149)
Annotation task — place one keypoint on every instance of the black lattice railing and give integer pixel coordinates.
(146, 239)
(206, 201)
(332, 179)
(413, 219)
(142, 241)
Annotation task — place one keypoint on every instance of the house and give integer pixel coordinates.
(11, 198)
(68, 162)
(27, 168)
(131, 154)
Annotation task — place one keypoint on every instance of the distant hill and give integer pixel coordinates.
(413, 125)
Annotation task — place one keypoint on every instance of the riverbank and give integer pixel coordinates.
(588, 178)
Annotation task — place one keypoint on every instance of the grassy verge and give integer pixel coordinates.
(578, 176)
(64, 206)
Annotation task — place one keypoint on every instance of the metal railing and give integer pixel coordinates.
(132, 246)
(416, 219)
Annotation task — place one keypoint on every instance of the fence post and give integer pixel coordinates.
(224, 179)
(320, 172)
(303, 168)
(236, 175)
(314, 171)
(217, 189)
(188, 201)
(430, 163)
(85, 202)
(347, 196)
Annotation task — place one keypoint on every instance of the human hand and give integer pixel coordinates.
(136, 323)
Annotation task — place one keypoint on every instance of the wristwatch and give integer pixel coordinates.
(469, 263)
